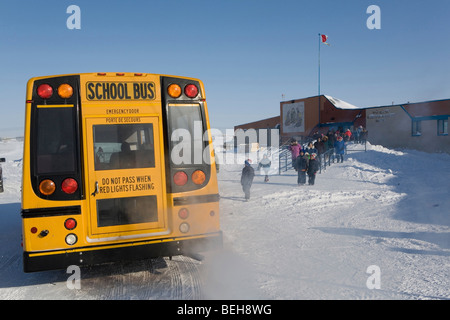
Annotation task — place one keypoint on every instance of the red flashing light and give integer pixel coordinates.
(69, 185)
(45, 91)
(180, 178)
(191, 90)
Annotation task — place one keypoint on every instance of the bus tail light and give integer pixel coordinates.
(71, 239)
(65, 91)
(198, 177)
(183, 213)
(191, 90)
(69, 185)
(180, 178)
(174, 90)
(70, 224)
(184, 227)
(45, 91)
(47, 187)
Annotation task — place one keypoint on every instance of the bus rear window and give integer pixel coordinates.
(186, 134)
(55, 140)
(124, 146)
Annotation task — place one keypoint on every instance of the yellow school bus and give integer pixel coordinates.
(116, 166)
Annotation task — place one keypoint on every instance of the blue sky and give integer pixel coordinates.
(249, 53)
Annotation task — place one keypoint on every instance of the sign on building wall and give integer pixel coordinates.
(380, 115)
(293, 117)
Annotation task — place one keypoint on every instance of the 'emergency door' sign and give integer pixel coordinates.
(120, 90)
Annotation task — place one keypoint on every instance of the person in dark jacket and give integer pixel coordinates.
(313, 167)
(320, 147)
(310, 148)
(339, 149)
(301, 165)
(247, 179)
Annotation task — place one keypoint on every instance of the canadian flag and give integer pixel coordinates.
(324, 39)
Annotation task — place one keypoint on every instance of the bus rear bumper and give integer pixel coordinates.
(33, 262)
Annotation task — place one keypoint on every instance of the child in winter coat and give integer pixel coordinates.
(265, 165)
(347, 135)
(339, 148)
(313, 167)
(310, 149)
(295, 150)
(247, 179)
(301, 165)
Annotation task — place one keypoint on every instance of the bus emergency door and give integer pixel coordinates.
(125, 178)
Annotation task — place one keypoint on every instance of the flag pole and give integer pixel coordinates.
(320, 39)
(319, 61)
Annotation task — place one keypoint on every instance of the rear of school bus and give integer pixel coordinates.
(111, 170)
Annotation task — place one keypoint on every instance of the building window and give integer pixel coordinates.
(442, 127)
(417, 128)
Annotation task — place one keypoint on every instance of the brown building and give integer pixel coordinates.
(300, 118)
(421, 126)
(303, 118)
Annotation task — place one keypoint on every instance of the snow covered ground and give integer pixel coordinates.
(382, 208)
(374, 227)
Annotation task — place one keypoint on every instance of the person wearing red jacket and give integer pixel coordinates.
(347, 135)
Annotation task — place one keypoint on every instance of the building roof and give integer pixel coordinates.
(428, 108)
(341, 104)
(264, 123)
(423, 109)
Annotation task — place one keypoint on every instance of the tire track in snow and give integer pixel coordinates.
(153, 279)
(189, 278)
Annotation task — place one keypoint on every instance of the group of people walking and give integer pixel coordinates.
(306, 160)
(333, 143)
(306, 164)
